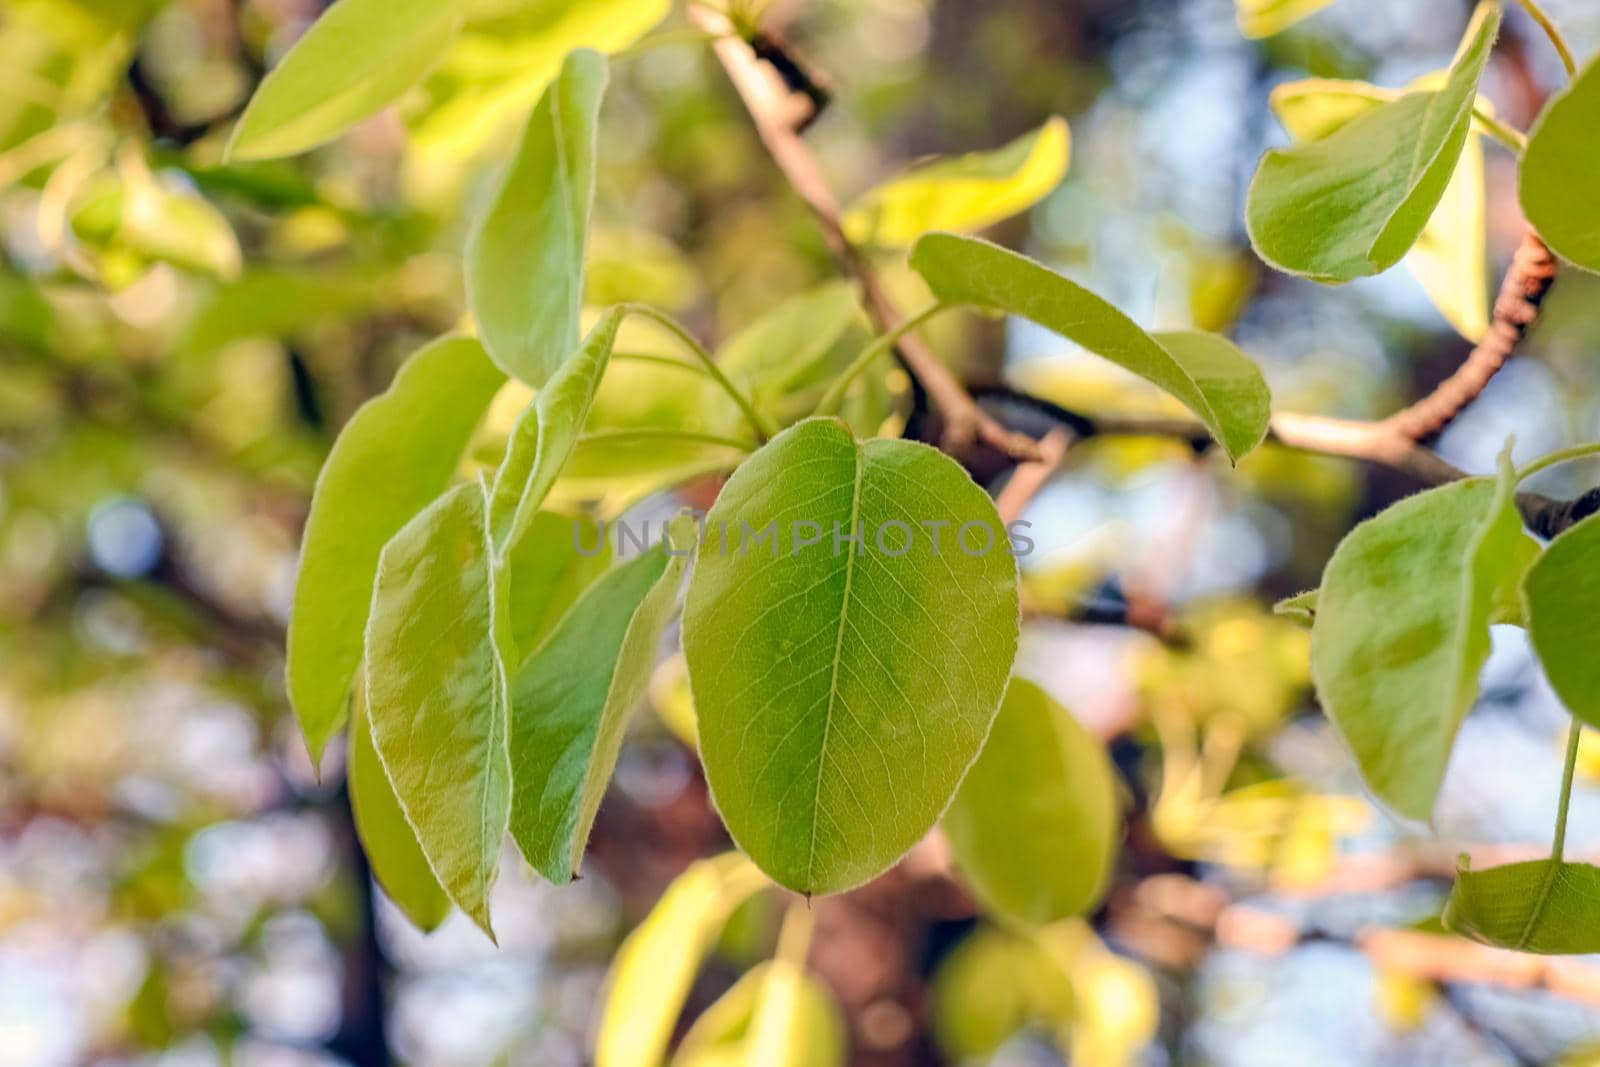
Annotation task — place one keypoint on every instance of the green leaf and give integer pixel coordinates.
(1034, 826)
(391, 845)
(1560, 594)
(993, 984)
(1302, 607)
(1263, 18)
(1449, 259)
(572, 700)
(1539, 906)
(786, 352)
(775, 1015)
(524, 267)
(438, 692)
(394, 456)
(360, 56)
(965, 193)
(652, 971)
(1560, 169)
(555, 560)
(1402, 629)
(546, 434)
(841, 698)
(1206, 372)
(1353, 203)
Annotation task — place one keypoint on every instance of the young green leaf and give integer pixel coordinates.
(652, 971)
(1206, 372)
(1560, 169)
(555, 560)
(1353, 203)
(1263, 18)
(965, 193)
(1560, 594)
(359, 57)
(842, 695)
(1034, 826)
(524, 267)
(571, 703)
(1402, 629)
(438, 693)
(391, 845)
(394, 456)
(1541, 906)
(786, 350)
(1449, 259)
(775, 1015)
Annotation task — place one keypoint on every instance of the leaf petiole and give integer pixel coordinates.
(1548, 25)
(1503, 132)
(1560, 841)
(1565, 455)
(878, 346)
(759, 423)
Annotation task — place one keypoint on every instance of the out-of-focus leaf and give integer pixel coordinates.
(1560, 169)
(1354, 202)
(1561, 593)
(1034, 825)
(1449, 259)
(353, 61)
(1263, 18)
(524, 268)
(438, 692)
(964, 193)
(1538, 906)
(775, 1015)
(992, 985)
(637, 265)
(391, 845)
(394, 456)
(573, 698)
(786, 351)
(507, 54)
(842, 696)
(61, 60)
(1116, 1005)
(269, 302)
(652, 971)
(556, 559)
(1402, 628)
(1206, 372)
(155, 220)
(671, 700)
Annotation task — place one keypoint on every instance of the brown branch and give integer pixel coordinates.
(1523, 289)
(1030, 477)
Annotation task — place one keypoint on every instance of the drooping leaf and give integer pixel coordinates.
(507, 54)
(652, 971)
(1263, 18)
(555, 560)
(1449, 259)
(1402, 629)
(360, 56)
(842, 697)
(1354, 202)
(1034, 826)
(1538, 906)
(572, 700)
(1561, 592)
(1560, 169)
(438, 692)
(391, 845)
(964, 193)
(1206, 372)
(394, 456)
(524, 264)
(775, 1015)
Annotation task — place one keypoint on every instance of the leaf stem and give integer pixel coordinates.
(661, 361)
(1566, 455)
(1548, 25)
(877, 347)
(1503, 132)
(759, 423)
(1560, 842)
(650, 433)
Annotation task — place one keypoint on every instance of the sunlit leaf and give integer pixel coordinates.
(1206, 372)
(1561, 592)
(842, 695)
(524, 265)
(1263, 18)
(553, 562)
(1354, 202)
(964, 193)
(1034, 826)
(353, 61)
(775, 1015)
(1402, 629)
(394, 456)
(1537, 906)
(1560, 169)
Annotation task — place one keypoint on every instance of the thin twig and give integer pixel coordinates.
(1030, 477)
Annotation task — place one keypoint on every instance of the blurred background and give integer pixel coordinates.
(180, 341)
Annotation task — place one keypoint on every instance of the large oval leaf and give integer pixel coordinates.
(360, 56)
(965, 193)
(1561, 169)
(1353, 203)
(1034, 825)
(524, 267)
(1207, 373)
(394, 456)
(1540, 906)
(843, 695)
(1402, 629)
(1559, 596)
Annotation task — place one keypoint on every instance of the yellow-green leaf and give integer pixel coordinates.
(1561, 170)
(775, 1015)
(1561, 593)
(1263, 18)
(1539, 906)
